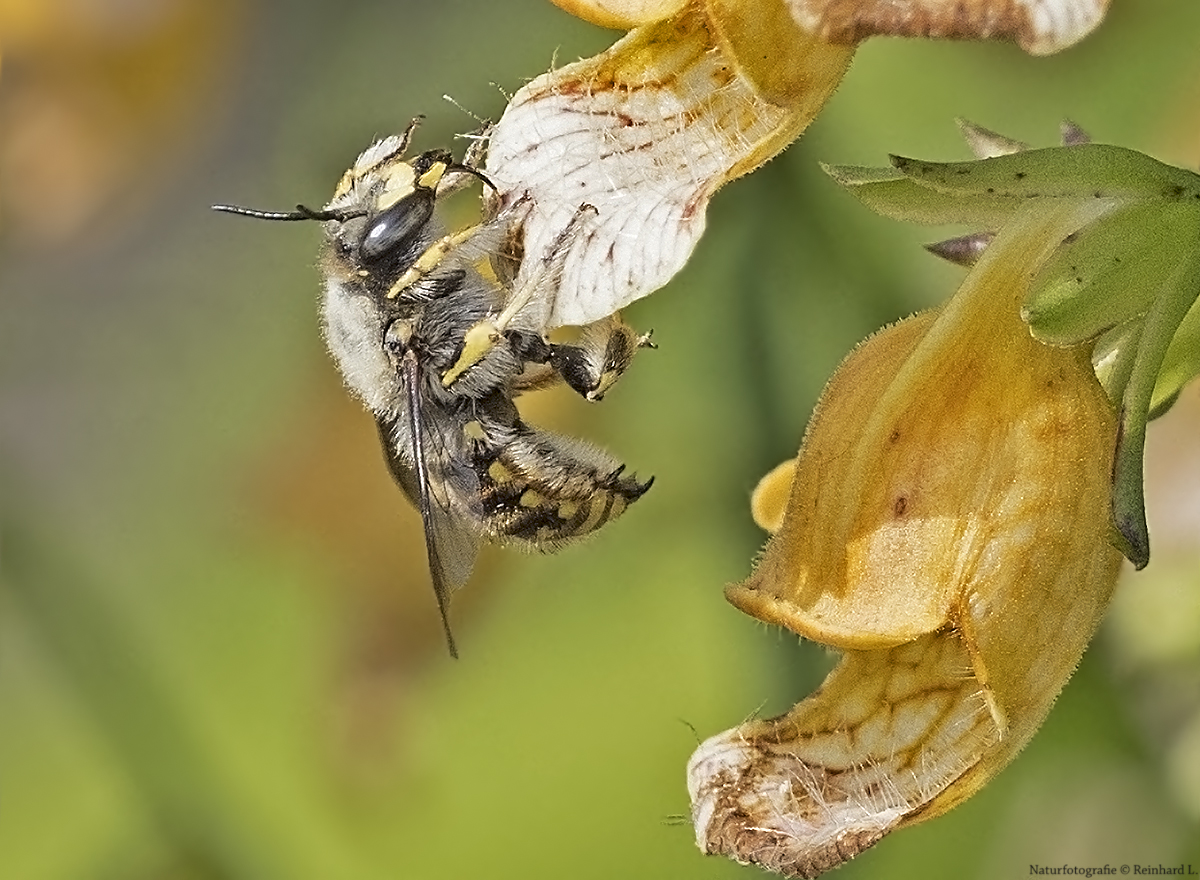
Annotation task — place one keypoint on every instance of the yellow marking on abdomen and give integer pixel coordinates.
(597, 506)
(531, 498)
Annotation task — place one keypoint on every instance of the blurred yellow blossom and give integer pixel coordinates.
(97, 101)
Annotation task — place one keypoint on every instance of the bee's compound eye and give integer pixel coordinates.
(397, 226)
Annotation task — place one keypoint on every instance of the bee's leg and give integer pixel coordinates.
(433, 257)
(547, 272)
(485, 335)
(472, 158)
(406, 136)
(601, 355)
(533, 352)
(482, 237)
(477, 151)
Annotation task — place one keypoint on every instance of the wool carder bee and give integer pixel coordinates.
(438, 351)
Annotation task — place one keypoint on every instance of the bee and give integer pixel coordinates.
(437, 351)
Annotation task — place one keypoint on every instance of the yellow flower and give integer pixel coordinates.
(948, 527)
(696, 95)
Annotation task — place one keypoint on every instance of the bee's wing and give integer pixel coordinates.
(430, 472)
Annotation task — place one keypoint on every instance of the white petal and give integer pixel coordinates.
(645, 133)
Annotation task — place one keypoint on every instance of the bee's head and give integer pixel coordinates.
(380, 205)
(400, 199)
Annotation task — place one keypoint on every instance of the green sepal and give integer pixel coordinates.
(1181, 364)
(1170, 307)
(887, 192)
(1099, 170)
(1110, 272)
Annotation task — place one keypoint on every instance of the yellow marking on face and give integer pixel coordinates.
(345, 184)
(499, 473)
(473, 430)
(399, 182)
(568, 509)
(431, 178)
(477, 342)
(531, 498)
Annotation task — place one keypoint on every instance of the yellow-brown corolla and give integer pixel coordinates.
(948, 528)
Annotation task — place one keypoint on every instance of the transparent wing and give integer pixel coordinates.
(425, 457)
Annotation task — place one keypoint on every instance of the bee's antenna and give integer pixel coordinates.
(474, 172)
(301, 213)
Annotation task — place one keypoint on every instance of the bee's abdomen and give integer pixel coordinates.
(543, 490)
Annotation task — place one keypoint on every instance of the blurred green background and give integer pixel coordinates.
(219, 655)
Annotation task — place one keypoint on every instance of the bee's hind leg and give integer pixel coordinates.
(600, 356)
